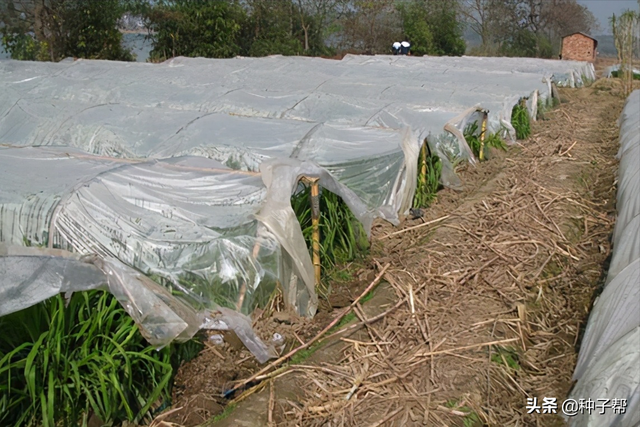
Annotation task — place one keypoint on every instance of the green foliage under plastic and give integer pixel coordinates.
(520, 121)
(428, 183)
(62, 363)
(342, 237)
(491, 140)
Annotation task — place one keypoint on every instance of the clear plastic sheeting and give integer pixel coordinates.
(563, 73)
(191, 106)
(614, 375)
(187, 220)
(614, 315)
(610, 351)
(177, 177)
(608, 73)
(29, 279)
(31, 275)
(190, 222)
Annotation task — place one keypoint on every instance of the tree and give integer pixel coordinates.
(89, 30)
(432, 27)
(525, 27)
(370, 26)
(446, 28)
(273, 27)
(481, 17)
(415, 23)
(626, 29)
(319, 21)
(206, 28)
(55, 29)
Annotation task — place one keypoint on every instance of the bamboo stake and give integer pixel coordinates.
(482, 133)
(423, 171)
(315, 221)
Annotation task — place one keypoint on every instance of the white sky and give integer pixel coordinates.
(603, 9)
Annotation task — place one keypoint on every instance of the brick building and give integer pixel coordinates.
(579, 47)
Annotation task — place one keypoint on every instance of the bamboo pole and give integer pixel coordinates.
(482, 133)
(315, 221)
(423, 170)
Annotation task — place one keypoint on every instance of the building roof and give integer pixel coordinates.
(581, 33)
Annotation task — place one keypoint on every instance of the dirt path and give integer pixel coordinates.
(494, 297)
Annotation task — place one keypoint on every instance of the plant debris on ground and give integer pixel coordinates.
(495, 296)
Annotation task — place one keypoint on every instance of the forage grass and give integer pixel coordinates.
(61, 363)
(520, 121)
(491, 140)
(428, 183)
(342, 237)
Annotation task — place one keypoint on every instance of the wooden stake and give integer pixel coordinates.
(315, 221)
(482, 133)
(423, 171)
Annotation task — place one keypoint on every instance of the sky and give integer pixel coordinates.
(603, 9)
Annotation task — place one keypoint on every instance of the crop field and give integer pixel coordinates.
(192, 244)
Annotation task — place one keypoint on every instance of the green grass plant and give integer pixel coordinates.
(342, 237)
(520, 121)
(228, 410)
(62, 363)
(506, 356)
(491, 140)
(428, 183)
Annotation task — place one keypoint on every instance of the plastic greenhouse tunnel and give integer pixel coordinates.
(169, 185)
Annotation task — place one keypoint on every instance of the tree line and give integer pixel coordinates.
(56, 29)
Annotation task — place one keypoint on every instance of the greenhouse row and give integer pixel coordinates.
(610, 351)
(170, 184)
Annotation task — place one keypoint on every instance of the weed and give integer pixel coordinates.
(507, 356)
(520, 120)
(472, 419)
(451, 403)
(303, 355)
(60, 363)
(224, 414)
(342, 276)
(367, 297)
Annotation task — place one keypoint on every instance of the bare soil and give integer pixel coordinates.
(490, 300)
